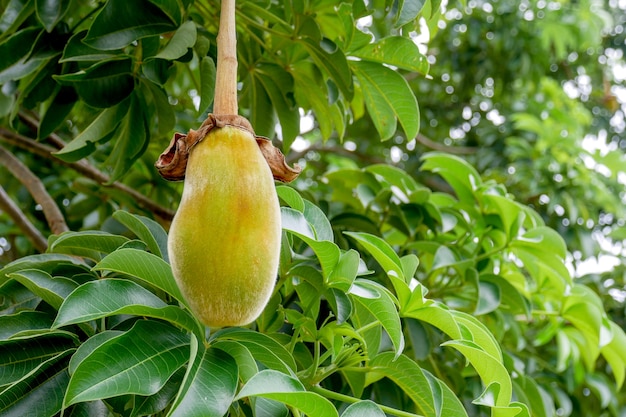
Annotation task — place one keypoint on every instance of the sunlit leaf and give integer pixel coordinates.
(277, 386)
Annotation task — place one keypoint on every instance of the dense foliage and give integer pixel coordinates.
(428, 274)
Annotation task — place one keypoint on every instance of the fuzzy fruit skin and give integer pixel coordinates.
(224, 241)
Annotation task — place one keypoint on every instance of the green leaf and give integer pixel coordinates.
(146, 229)
(104, 124)
(446, 401)
(77, 51)
(207, 82)
(132, 138)
(183, 39)
(89, 244)
(397, 51)
(264, 349)
(209, 385)
(143, 265)
(615, 353)
(106, 297)
(408, 11)
(407, 375)
(52, 290)
(39, 393)
(344, 274)
(164, 111)
(121, 22)
(278, 84)
(104, 84)
(490, 369)
(45, 262)
(12, 324)
(280, 387)
(22, 356)
(379, 302)
(14, 14)
(461, 176)
(15, 63)
(381, 251)
(246, 363)
(291, 197)
(140, 361)
(57, 112)
(389, 260)
(318, 221)
(388, 97)
(294, 221)
(50, 12)
(332, 60)
(489, 298)
(365, 408)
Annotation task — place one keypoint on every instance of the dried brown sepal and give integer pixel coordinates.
(172, 163)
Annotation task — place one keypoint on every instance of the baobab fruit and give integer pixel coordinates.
(224, 241)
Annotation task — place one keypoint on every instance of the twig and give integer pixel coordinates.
(35, 187)
(226, 75)
(87, 170)
(19, 218)
(458, 150)
(33, 123)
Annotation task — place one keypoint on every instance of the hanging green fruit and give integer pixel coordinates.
(224, 241)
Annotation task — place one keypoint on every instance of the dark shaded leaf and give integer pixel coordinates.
(140, 361)
(121, 22)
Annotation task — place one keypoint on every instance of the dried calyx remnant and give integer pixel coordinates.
(172, 163)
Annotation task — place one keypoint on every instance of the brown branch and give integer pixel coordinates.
(457, 150)
(19, 218)
(35, 187)
(85, 169)
(33, 123)
(226, 75)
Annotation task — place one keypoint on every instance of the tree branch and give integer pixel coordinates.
(85, 169)
(35, 187)
(457, 150)
(21, 221)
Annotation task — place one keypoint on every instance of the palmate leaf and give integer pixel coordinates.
(286, 389)
(209, 386)
(139, 361)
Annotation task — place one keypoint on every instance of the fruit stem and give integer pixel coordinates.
(226, 77)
